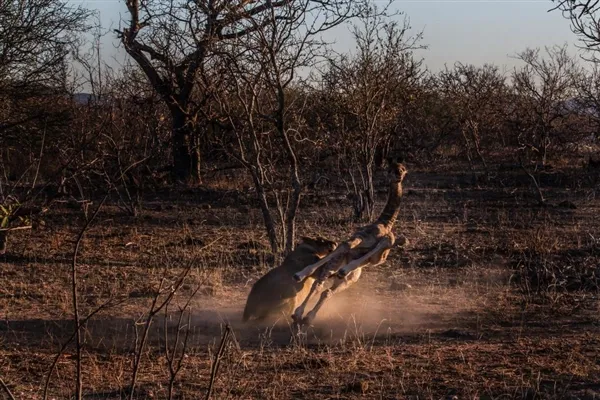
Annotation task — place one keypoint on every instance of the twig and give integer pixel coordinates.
(66, 343)
(16, 228)
(540, 195)
(173, 364)
(140, 348)
(37, 170)
(79, 383)
(155, 308)
(217, 361)
(6, 390)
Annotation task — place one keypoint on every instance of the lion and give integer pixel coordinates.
(276, 292)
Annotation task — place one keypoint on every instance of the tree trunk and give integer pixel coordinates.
(370, 192)
(296, 185)
(186, 153)
(294, 204)
(267, 217)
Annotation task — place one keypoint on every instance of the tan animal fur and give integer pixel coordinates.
(369, 246)
(277, 293)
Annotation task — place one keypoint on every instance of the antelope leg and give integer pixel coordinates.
(342, 248)
(383, 245)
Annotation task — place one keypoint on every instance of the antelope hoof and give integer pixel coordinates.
(298, 278)
(297, 320)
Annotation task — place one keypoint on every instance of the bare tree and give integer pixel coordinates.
(263, 98)
(35, 38)
(125, 112)
(424, 122)
(370, 85)
(588, 100)
(473, 98)
(175, 41)
(542, 87)
(584, 16)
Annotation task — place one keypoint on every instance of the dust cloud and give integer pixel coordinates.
(370, 310)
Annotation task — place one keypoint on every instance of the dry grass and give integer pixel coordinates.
(501, 302)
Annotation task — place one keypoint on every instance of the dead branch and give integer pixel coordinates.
(16, 228)
(76, 317)
(78, 344)
(217, 361)
(6, 390)
(69, 341)
(155, 308)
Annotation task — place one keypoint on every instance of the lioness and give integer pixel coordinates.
(277, 292)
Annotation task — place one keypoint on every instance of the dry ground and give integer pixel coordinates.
(501, 302)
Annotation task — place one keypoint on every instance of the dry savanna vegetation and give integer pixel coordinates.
(139, 204)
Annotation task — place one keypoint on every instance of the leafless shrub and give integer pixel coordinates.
(367, 90)
(544, 270)
(175, 43)
(35, 107)
(475, 99)
(78, 319)
(540, 118)
(35, 39)
(585, 22)
(262, 101)
(540, 115)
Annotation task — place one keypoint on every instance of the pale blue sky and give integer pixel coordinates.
(470, 31)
